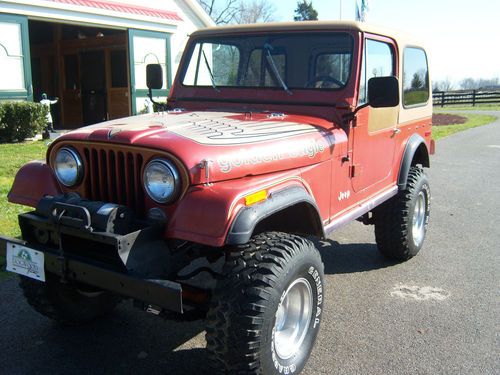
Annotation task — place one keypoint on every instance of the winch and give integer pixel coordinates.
(72, 210)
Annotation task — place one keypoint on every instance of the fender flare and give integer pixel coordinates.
(247, 218)
(33, 181)
(413, 144)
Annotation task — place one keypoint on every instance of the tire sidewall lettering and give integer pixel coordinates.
(291, 365)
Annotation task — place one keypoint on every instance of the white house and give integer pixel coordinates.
(92, 54)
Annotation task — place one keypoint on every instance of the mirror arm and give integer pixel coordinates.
(161, 106)
(351, 115)
(367, 104)
(150, 96)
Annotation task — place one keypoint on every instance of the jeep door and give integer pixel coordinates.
(374, 130)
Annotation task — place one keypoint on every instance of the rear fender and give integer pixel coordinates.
(415, 152)
(32, 182)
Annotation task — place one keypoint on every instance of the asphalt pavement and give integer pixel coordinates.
(435, 314)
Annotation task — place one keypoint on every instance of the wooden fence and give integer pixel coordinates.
(442, 98)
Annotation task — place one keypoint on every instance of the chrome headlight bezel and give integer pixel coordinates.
(78, 174)
(170, 169)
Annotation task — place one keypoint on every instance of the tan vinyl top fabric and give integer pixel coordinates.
(305, 26)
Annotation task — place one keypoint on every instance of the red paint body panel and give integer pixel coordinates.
(267, 148)
(33, 181)
(205, 213)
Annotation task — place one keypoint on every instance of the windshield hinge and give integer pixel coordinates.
(205, 164)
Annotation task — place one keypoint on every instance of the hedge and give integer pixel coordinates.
(21, 120)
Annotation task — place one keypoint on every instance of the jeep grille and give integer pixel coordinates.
(114, 176)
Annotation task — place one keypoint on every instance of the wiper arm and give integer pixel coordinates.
(210, 72)
(276, 73)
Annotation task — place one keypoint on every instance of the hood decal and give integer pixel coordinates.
(275, 152)
(220, 129)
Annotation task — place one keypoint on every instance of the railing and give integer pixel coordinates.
(442, 98)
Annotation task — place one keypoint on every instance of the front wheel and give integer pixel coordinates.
(266, 311)
(401, 222)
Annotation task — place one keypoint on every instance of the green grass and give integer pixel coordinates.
(479, 107)
(12, 157)
(415, 97)
(473, 121)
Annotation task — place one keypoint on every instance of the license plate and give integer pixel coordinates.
(25, 261)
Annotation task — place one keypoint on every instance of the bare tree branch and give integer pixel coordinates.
(239, 11)
(253, 11)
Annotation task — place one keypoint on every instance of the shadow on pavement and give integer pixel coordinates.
(128, 341)
(349, 258)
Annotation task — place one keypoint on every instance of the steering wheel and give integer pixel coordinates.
(321, 80)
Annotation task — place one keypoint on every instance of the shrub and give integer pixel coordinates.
(21, 120)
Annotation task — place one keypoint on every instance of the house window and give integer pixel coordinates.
(148, 51)
(11, 57)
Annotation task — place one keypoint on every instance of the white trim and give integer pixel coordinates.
(200, 12)
(67, 13)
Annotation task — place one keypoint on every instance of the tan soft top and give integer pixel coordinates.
(308, 26)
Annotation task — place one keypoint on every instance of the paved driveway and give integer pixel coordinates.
(436, 314)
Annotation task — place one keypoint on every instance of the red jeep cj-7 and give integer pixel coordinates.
(273, 134)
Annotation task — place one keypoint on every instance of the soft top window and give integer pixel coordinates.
(415, 77)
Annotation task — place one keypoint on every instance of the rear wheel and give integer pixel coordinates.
(67, 304)
(401, 222)
(265, 313)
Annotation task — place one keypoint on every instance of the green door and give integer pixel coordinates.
(15, 67)
(146, 47)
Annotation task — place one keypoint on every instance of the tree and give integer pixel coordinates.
(442, 85)
(468, 84)
(221, 11)
(238, 11)
(305, 12)
(416, 82)
(255, 11)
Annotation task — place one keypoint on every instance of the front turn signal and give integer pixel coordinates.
(256, 197)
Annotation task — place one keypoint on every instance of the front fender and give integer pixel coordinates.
(206, 213)
(247, 219)
(32, 182)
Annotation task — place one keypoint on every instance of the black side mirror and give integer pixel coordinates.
(383, 92)
(154, 76)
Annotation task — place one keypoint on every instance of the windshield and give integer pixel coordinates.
(284, 61)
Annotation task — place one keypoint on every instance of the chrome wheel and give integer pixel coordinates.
(418, 227)
(293, 318)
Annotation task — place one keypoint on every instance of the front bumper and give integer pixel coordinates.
(152, 291)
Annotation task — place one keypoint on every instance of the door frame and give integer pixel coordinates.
(143, 93)
(362, 134)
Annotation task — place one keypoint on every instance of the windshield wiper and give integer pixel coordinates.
(210, 72)
(276, 73)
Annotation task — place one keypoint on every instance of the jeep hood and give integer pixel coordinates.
(233, 145)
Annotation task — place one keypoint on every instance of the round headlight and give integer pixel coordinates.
(68, 166)
(161, 180)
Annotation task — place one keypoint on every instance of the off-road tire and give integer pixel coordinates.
(65, 303)
(394, 218)
(241, 320)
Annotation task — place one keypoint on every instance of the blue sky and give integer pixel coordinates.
(462, 37)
